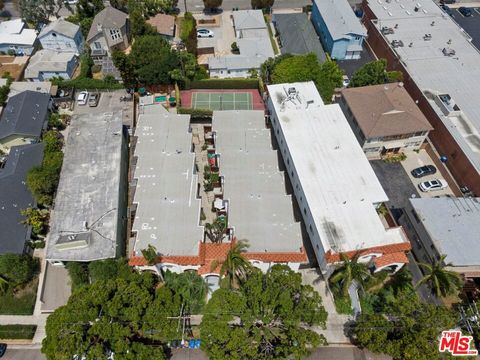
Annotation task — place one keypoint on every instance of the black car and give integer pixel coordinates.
(424, 171)
(446, 9)
(465, 11)
(3, 349)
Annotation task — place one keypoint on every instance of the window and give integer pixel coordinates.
(311, 229)
(115, 34)
(292, 174)
(305, 211)
(54, 35)
(97, 45)
(288, 161)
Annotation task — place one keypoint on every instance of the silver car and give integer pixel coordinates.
(433, 185)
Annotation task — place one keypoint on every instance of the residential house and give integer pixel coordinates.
(167, 207)
(47, 64)
(254, 43)
(446, 226)
(15, 196)
(165, 25)
(297, 35)
(109, 31)
(16, 38)
(439, 64)
(340, 31)
(89, 221)
(384, 118)
(63, 36)
(23, 119)
(336, 189)
(17, 87)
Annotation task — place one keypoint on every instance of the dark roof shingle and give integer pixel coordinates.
(15, 196)
(25, 114)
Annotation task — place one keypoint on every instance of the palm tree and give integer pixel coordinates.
(348, 271)
(442, 282)
(235, 267)
(216, 230)
(191, 287)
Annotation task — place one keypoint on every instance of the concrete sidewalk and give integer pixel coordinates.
(334, 333)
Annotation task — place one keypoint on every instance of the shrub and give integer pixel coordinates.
(96, 68)
(224, 84)
(87, 83)
(343, 305)
(195, 113)
(18, 269)
(78, 274)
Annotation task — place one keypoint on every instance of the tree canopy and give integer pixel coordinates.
(125, 315)
(374, 73)
(212, 4)
(443, 282)
(268, 317)
(262, 4)
(297, 68)
(37, 12)
(347, 271)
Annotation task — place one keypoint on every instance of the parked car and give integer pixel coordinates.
(448, 1)
(433, 185)
(93, 99)
(82, 98)
(204, 33)
(3, 349)
(424, 171)
(447, 9)
(345, 81)
(465, 11)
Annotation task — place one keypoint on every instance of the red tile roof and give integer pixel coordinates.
(208, 252)
(388, 259)
(331, 257)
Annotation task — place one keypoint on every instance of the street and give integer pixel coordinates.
(197, 5)
(21, 354)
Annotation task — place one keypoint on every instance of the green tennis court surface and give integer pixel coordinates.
(222, 101)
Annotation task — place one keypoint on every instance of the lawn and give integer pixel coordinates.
(20, 303)
(17, 331)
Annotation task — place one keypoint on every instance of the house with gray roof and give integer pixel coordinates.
(253, 41)
(340, 31)
(62, 35)
(297, 35)
(109, 31)
(445, 226)
(23, 119)
(47, 64)
(15, 195)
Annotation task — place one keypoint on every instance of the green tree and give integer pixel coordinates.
(298, 68)
(191, 287)
(52, 142)
(89, 8)
(38, 11)
(405, 333)
(347, 271)
(37, 219)
(268, 317)
(216, 230)
(43, 180)
(78, 272)
(442, 282)
(4, 284)
(374, 73)
(150, 254)
(212, 4)
(235, 267)
(189, 33)
(124, 65)
(153, 60)
(138, 25)
(262, 4)
(110, 269)
(18, 269)
(102, 317)
(153, 7)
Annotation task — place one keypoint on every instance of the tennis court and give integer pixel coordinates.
(222, 100)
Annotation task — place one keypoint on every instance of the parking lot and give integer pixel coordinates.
(470, 24)
(415, 160)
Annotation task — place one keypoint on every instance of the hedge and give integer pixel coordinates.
(224, 84)
(17, 331)
(87, 83)
(195, 113)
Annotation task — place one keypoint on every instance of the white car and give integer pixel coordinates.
(82, 98)
(345, 81)
(433, 185)
(70, 2)
(204, 33)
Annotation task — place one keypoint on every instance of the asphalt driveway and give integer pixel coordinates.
(396, 183)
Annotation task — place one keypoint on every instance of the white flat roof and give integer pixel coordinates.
(339, 184)
(89, 188)
(259, 208)
(457, 75)
(168, 212)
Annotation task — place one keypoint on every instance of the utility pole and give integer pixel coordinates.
(182, 318)
(185, 4)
